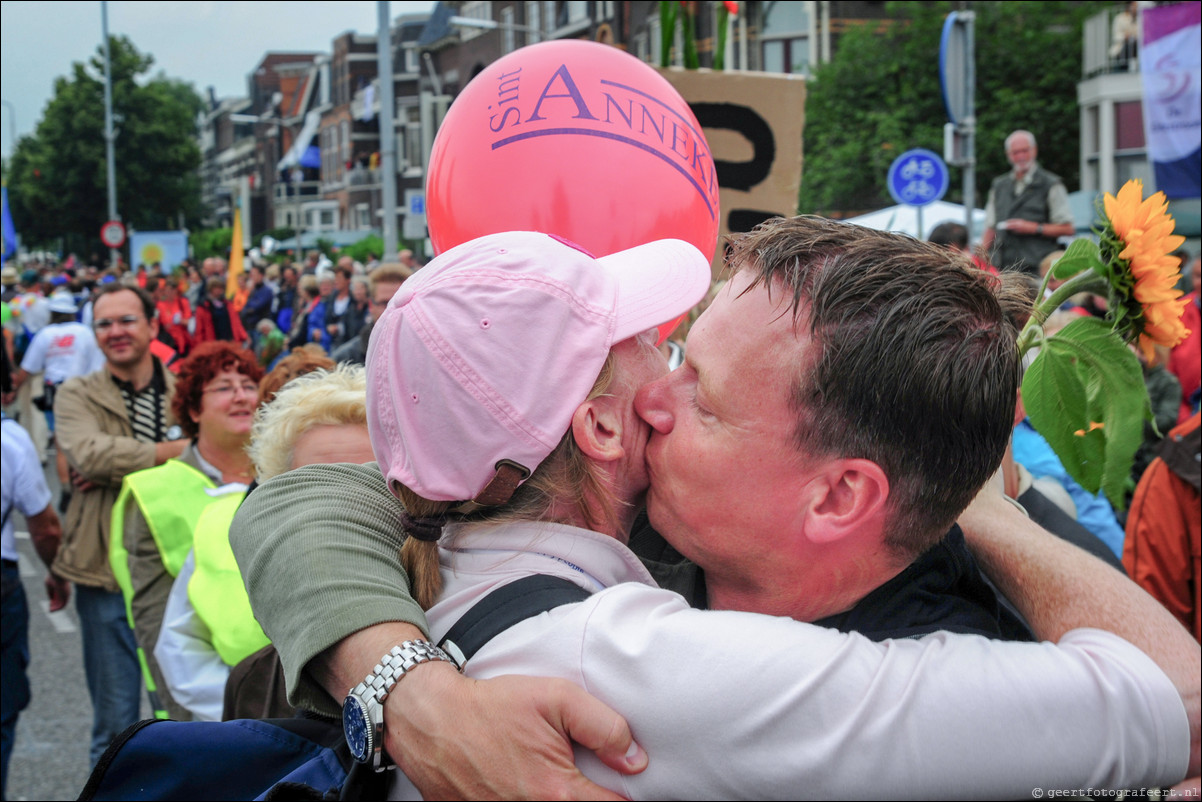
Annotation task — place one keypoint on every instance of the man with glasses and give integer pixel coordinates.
(110, 423)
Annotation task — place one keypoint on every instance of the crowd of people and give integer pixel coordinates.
(270, 307)
(270, 479)
(155, 378)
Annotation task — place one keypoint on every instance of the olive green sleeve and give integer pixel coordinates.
(319, 551)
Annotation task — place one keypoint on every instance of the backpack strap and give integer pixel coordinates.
(507, 605)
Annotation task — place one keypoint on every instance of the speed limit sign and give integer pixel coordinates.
(112, 234)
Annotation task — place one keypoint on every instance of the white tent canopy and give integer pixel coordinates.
(904, 219)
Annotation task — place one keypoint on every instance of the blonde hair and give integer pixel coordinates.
(566, 479)
(319, 398)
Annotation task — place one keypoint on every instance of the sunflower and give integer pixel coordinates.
(1137, 245)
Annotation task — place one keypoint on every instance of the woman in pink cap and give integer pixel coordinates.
(501, 381)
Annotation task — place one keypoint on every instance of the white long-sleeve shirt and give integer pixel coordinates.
(736, 705)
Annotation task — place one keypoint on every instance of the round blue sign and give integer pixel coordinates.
(918, 177)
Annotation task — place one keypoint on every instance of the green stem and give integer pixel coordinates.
(720, 48)
(667, 31)
(688, 24)
(1083, 282)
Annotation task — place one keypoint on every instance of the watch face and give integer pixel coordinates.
(175, 433)
(357, 728)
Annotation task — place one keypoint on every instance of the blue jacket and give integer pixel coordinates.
(317, 320)
(1093, 511)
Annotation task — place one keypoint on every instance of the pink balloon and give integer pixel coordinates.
(577, 139)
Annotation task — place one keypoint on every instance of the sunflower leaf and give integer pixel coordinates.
(1085, 394)
(1081, 255)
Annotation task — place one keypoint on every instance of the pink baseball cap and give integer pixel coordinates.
(482, 357)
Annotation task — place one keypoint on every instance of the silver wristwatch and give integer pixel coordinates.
(363, 709)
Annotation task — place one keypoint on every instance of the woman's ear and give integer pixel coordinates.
(597, 427)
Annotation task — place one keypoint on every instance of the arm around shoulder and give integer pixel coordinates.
(1058, 587)
(319, 548)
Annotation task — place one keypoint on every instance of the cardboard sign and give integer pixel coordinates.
(753, 122)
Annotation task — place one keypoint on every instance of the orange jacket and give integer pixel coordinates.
(1164, 528)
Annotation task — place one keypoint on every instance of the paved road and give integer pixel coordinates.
(50, 758)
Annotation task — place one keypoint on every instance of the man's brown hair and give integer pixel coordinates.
(913, 365)
(148, 305)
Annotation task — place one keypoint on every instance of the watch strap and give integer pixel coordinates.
(363, 710)
(393, 666)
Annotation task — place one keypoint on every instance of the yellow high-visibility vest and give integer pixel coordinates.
(216, 589)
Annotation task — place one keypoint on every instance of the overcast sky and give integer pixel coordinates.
(211, 43)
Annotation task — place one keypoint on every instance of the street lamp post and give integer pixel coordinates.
(387, 129)
(109, 136)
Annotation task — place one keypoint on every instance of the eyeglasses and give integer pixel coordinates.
(247, 388)
(125, 321)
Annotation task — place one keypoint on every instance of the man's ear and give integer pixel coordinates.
(850, 497)
(597, 427)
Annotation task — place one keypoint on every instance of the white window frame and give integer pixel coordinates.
(786, 38)
(362, 216)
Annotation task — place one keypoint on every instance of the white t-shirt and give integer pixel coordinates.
(62, 351)
(33, 309)
(24, 487)
(735, 705)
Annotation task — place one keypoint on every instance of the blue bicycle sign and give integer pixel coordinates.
(918, 177)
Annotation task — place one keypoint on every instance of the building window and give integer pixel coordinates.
(327, 219)
(605, 10)
(413, 137)
(1128, 125)
(1132, 165)
(327, 158)
(570, 12)
(785, 41)
(508, 33)
(1090, 136)
(411, 60)
(363, 215)
(475, 9)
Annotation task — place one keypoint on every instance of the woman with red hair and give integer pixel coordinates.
(216, 395)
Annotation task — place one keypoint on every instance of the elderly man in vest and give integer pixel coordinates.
(1027, 210)
(111, 423)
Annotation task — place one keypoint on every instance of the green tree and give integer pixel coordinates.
(211, 242)
(880, 96)
(57, 177)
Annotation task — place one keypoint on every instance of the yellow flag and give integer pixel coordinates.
(231, 280)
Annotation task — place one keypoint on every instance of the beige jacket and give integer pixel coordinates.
(93, 430)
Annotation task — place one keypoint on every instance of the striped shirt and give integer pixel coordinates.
(147, 407)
